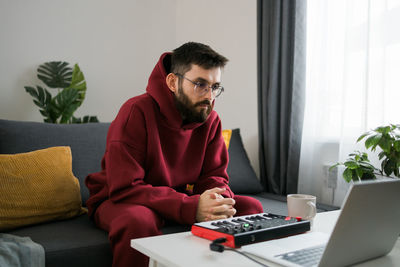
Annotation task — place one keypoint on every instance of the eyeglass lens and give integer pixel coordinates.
(203, 88)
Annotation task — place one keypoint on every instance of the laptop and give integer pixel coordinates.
(368, 227)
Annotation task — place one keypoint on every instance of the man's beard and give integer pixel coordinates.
(188, 110)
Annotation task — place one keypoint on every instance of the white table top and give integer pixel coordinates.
(185, 249)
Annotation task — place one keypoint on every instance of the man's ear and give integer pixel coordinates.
(172, 82)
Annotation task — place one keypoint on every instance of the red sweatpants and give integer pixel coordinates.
(124, 222)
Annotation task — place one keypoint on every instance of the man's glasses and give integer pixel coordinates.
(202, 88)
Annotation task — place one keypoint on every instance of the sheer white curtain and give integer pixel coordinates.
(353, 85)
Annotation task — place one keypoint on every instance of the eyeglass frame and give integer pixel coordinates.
(205, 91)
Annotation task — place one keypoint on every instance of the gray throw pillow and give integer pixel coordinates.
(242, 178)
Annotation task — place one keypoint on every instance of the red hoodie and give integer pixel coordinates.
(151, 157)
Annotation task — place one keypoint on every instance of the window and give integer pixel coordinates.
(353, 85)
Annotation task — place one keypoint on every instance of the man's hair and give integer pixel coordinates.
(199, 54)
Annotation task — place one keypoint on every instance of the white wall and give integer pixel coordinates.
(230, 27)
(117, 44)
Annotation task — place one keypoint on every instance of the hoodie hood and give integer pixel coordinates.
(157, 88)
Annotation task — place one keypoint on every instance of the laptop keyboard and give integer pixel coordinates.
(305, 257)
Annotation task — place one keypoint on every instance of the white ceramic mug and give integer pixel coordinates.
(303, 206)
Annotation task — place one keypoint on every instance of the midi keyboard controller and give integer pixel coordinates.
(249, 229)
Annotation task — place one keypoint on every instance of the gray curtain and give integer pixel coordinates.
(281, 91)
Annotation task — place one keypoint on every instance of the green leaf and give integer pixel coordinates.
(44, 113)
(78, 82)
(40, 93)
(368, 175)
(42, 98)
(396, 145)
(55, 74)
(396, 172)
(385, 144)
(367, 165)
(389, 167)
(93, 119)
(381, 155)
(383, 129)
(373, 141)
(351, 164)
(32, 91)
(359, 173)
(334, 166)
(37, 103)
(347, 175)
(66, 102)
(76, 120)
(53, 111)
(364, 157)
(362, 136)
(354, 176)
(85, 119)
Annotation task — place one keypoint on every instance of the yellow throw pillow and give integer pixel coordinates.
(38, 186)
(226, 134)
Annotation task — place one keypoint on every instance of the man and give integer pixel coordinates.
(165, 157)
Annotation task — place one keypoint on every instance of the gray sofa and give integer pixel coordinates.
(77, 241)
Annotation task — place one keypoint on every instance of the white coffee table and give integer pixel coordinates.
(185, 249)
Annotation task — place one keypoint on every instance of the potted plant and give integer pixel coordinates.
(387, 139)
(71, 86)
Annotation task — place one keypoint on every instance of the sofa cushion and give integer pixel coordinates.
(242, 178)
(74, 242)
(227, 134)
(37, 187)
(87, 142)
